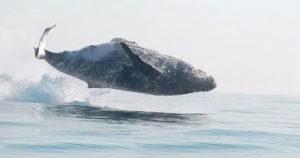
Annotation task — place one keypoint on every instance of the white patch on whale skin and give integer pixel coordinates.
(96, 52)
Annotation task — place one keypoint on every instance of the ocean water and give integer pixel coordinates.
(42, 120)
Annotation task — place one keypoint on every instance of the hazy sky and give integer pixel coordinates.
(248, 46)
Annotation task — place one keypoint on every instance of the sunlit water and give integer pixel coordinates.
(124, 124)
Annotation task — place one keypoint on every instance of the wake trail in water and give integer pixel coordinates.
(66, 90)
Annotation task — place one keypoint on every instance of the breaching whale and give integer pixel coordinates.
(124, 65)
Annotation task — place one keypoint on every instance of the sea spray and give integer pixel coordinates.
(49, 90)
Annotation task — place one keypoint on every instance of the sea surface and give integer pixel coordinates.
(119, 124)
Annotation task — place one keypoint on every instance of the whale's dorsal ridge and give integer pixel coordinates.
(119, 40)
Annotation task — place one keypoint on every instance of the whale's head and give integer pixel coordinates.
(192, 80)
(203, 82)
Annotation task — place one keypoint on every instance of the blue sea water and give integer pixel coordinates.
(53, 118)
(124, 124)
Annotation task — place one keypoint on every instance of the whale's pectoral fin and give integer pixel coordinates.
(139, 63)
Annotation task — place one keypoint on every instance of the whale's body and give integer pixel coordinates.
(124, 65)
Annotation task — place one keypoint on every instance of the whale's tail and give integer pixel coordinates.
(40, 50)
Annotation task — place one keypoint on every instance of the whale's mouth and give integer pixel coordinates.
(39, 51)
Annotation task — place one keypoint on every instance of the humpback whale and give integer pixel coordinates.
(125, 65)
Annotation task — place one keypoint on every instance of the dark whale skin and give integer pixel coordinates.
(124, 65)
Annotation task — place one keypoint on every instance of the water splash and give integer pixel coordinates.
(68, 90)
(49, 90)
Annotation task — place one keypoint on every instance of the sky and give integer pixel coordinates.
(248, 46)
